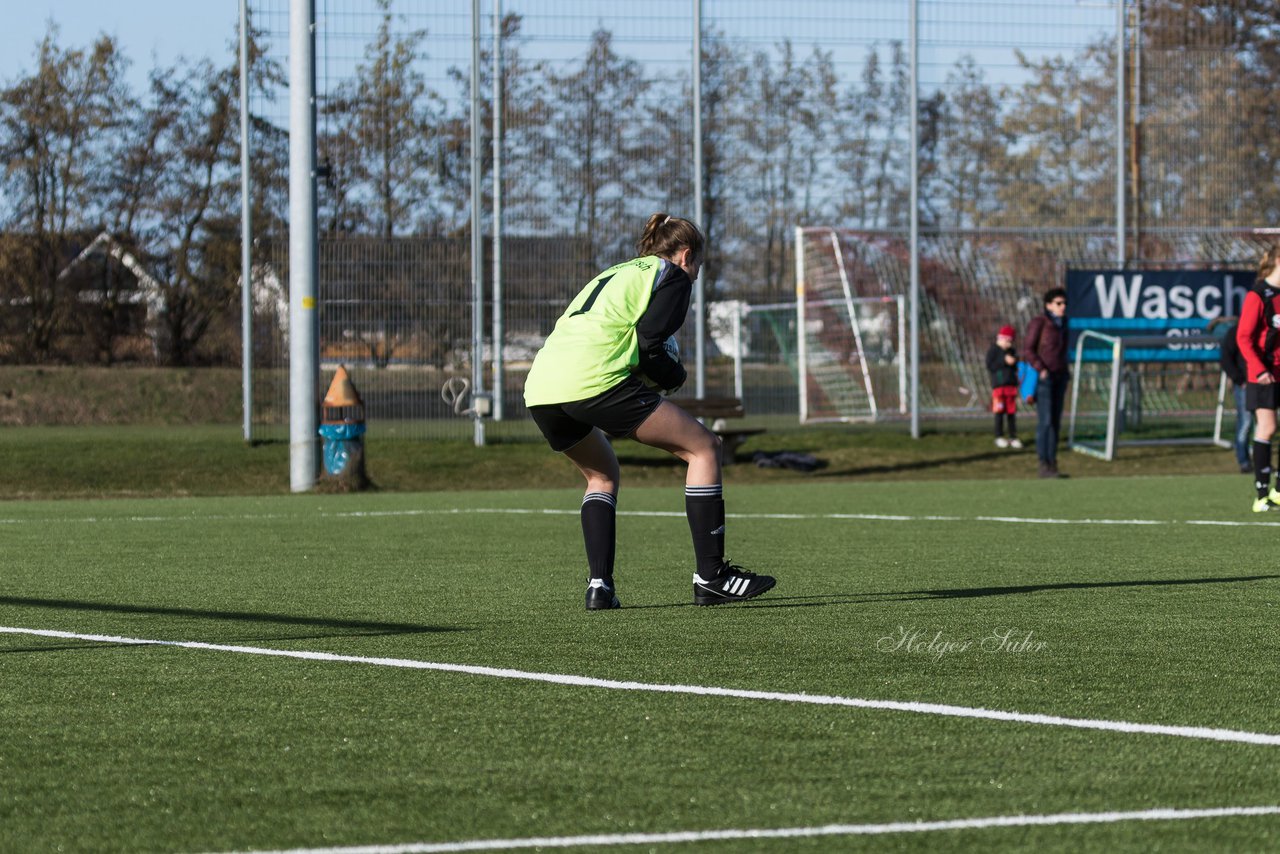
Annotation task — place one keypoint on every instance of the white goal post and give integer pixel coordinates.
(851, 350)
(1135, 384)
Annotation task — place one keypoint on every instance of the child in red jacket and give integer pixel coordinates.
(1002, 363)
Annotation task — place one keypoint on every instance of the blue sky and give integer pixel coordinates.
(151, 31)
(160, 31)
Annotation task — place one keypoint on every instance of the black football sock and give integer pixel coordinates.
(999, 424)
(704, 505)
(600, 532)
(1013, 425)
(1262, 467)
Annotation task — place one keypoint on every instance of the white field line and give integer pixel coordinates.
(516, 511)
(1209, 733)
(1164, 814)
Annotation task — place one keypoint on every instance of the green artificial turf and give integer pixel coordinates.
(112, 747)
(125, 461)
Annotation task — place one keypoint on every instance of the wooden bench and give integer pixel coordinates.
(718, 409)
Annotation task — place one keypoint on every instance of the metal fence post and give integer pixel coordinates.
(499, 332)
(477, 244)
(915, 219)
(700, 314)
(246, 233)
(1120, 149)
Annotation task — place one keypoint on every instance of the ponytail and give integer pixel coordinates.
(665, 235)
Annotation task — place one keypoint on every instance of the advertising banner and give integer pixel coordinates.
(1168, 303)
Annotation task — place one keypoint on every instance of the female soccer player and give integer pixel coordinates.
(589, 379)
(1259, 342)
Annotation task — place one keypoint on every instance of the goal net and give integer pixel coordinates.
(850, 350)
(1148, 389)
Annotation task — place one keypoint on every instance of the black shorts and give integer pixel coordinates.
(618, 412)
(1257, 396)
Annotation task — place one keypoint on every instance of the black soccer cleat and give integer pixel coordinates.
(733, 584)
(600, 596)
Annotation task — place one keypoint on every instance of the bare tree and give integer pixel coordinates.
(53, 127)
(1060, 168)
(526, 115)
(861, 124)
(787, 150)
(972, 149)
(724, 81)
(382, 138)
(600, 130)
(193, 205)
(1205, 133)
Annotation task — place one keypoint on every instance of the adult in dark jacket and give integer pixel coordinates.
(1045, 349)
(1237, 370)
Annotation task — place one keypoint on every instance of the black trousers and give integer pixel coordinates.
(1051, 394)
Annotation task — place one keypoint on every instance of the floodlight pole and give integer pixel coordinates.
(304, 333)
(246, 233)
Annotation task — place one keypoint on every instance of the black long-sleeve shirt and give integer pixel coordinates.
(1002, 373)
(667, 309)
(1231, 359)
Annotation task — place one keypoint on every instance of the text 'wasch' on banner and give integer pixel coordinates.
(1147, 303)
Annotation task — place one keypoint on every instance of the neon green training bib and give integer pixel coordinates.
(593, 346)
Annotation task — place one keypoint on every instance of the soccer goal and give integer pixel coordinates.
(850, 350)
(1146, 389)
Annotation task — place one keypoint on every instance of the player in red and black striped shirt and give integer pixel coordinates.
(1259, 339)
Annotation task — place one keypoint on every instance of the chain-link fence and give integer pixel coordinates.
(973, 281)
(806, 121)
